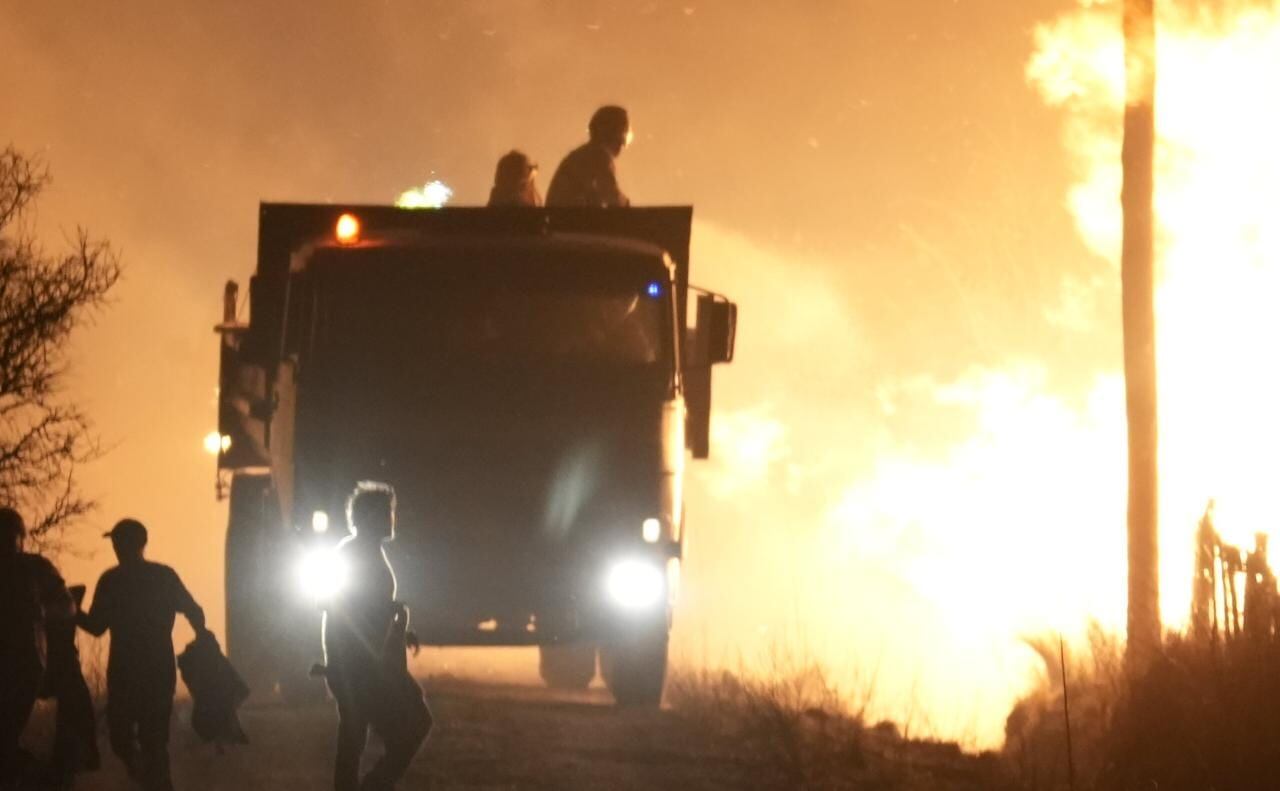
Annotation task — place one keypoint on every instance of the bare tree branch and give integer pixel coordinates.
(43, 298)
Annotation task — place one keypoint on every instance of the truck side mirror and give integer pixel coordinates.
(719, 316)
(709, 342)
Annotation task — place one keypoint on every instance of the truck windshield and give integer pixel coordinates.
(403, 325)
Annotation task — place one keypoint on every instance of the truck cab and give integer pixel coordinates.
(529, 382)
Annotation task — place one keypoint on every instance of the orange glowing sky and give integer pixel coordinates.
(920, 446)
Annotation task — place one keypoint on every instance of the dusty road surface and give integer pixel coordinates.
(486, 737)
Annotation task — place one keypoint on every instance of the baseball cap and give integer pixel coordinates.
(128, 531)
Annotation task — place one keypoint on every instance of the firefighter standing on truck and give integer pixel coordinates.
(357, 622)
(588, 176)
(514, 181)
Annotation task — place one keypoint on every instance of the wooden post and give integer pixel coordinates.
(1137, 275)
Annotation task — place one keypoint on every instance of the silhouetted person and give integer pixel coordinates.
(32, 595)
(1259, 591)
(514, 182)
(357, 623)
(588, 176)
(1203, 595)
(75, 741)
(137, 601)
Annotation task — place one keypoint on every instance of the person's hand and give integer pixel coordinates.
(77, 598)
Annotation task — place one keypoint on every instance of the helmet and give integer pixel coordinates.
(610, 124)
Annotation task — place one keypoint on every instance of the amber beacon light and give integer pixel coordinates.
(347, 229)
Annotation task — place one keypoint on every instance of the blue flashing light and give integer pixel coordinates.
(654, 289)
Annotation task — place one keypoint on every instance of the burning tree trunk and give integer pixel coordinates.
(1137, 274)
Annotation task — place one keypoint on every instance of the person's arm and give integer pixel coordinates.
(607, 188)
(54, 596)
(95, 622)
(186, 604)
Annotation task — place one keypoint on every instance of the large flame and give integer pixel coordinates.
(1218, 199)
(432, 195)
(930, 565)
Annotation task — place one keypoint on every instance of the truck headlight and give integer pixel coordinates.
(651, 530)
(321, 574)
(635, 584)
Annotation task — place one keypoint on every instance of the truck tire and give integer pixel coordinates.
(248, 638)
(635, 667)
(571, 666)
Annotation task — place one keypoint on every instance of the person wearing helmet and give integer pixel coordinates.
(136, 601)
(514, 181)
(32, 595)
(358, 621)
(588, 176)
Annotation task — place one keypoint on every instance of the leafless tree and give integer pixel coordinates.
(44, 436)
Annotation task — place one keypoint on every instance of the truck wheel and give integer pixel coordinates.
(248, 638)
(569, 666)
(635, 668)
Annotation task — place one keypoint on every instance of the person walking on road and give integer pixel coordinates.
(32, 596)
(75, 740)
(137, 601)
(588, 175)
(363, 639)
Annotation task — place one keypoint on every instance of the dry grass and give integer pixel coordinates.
(1035, 732)
(1205, 716)
(795, 725)
(803, 733)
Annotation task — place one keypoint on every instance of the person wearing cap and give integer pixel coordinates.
(136, 601)
(588, 175)
(514, 181)
(32, 595)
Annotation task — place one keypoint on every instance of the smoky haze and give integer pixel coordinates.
(873, 181)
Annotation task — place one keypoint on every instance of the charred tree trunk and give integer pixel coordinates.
(1137, 274)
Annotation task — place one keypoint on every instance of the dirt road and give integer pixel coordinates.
(486, 737)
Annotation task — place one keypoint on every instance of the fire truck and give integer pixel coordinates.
(531, 381)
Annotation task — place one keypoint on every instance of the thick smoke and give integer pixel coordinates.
(874, 181)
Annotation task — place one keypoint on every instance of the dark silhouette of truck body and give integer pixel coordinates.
(525, 379)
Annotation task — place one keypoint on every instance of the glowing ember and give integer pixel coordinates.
(432, 195)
